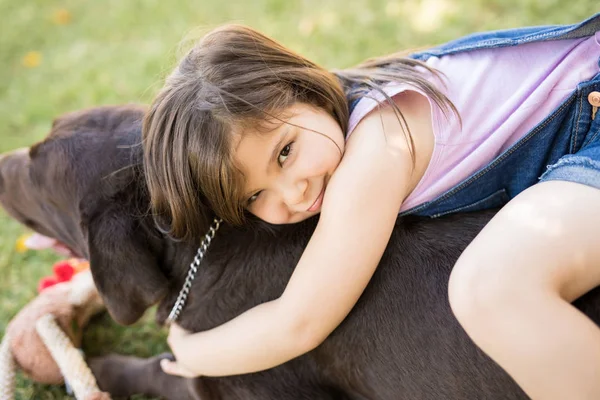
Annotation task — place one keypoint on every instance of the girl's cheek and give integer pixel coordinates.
(261, 209)
(329, 161)
(257, 207)
(271, 211)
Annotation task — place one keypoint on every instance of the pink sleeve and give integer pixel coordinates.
(371, 100)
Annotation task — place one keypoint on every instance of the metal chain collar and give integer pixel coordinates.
(189, 279)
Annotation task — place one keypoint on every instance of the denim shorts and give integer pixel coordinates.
(564, 146)
(583, 165)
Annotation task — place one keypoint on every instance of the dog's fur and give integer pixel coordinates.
(84, 186)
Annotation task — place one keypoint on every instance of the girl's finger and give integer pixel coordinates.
(173, 368)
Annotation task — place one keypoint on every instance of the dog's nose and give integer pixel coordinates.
(17, 152)
(21, 152)
(5, 159)
(2, 157)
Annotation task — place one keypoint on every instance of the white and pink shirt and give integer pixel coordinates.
(501, 94)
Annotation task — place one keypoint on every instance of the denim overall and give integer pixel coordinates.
(565, 146)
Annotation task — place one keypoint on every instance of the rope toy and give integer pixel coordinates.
(7, 371)
(43, 337)
(69, 359)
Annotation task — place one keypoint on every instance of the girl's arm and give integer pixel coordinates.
(359, 211)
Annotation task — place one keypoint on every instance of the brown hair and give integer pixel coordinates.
(234, 77)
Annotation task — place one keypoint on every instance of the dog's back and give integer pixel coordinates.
(400, 341)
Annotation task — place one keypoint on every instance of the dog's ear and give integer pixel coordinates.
(124, 259)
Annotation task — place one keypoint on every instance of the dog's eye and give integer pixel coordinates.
(30, 224)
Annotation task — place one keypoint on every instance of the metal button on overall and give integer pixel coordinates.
(594, 99)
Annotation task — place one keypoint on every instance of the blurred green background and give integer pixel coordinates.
(58, 56)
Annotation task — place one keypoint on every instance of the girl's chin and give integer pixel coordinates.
(294, 219)
(305, 216)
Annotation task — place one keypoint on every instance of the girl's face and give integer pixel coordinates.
(288, 168)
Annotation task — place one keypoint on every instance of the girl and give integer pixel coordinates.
(245, 125)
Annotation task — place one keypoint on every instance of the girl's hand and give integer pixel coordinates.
(177, 342)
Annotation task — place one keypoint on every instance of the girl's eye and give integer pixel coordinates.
(253, 198)
(284, 153)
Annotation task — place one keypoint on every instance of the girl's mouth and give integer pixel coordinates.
(317, 204)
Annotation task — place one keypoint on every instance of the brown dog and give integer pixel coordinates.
(84, 186)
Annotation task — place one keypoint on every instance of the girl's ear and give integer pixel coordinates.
(124, 260)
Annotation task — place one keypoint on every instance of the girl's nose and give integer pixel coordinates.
(293, 192)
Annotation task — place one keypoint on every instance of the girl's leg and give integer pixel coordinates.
(511, 290)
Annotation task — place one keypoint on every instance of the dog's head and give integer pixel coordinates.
(32, 204)
(84, 187)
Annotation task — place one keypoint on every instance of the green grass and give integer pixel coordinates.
(115, 51)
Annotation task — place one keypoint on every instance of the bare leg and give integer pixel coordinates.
(124, 376)
(512, 287)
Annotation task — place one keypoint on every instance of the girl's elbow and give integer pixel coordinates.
(306, 334)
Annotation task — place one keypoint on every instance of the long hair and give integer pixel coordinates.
(236, 77)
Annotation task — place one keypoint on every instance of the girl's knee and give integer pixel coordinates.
(476, 290)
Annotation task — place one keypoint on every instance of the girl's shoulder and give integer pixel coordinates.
(374, 99)
(413, 129)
